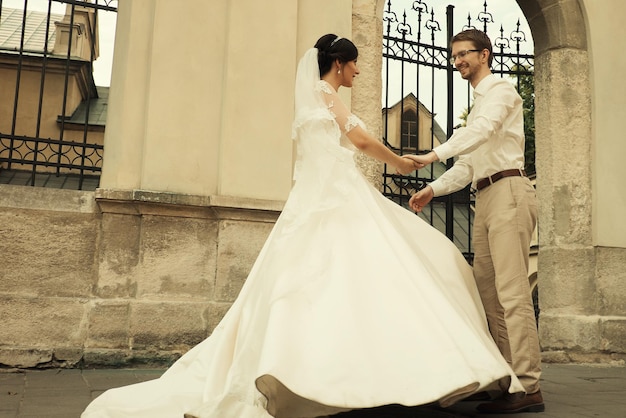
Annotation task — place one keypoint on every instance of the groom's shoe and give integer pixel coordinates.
(532, 402)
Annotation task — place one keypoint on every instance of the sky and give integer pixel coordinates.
(503, 12)
(106, 27)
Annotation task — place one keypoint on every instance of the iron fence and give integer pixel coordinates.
(54, 127)
(419, 81)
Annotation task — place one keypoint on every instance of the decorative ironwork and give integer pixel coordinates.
(432, 24)
(501, 41)
(469, 23)
(485, 17)
(518, 35)
(419, 6)
(35, 146)
(412, 69)
(54, 153)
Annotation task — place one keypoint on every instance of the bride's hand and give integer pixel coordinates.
(418, 160)
(406, 166)
(422, 160)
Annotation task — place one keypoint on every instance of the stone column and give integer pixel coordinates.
(366, 100)
(126, 118)
(580, 315)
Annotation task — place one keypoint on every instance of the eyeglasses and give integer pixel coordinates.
(462, 54)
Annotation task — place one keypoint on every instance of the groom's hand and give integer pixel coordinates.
(421, 198)
(405, 166)
(415, 162)
(422, 160)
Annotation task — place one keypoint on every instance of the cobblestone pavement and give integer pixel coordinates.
(570, 391)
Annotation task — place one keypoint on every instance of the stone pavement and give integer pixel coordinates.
(570, 391)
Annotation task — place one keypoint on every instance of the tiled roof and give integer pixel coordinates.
(97, 109)
(34, 31)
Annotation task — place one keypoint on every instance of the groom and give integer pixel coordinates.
(491, 158)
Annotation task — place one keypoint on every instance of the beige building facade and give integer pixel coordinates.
(198, 162)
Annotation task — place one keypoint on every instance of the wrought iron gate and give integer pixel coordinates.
(417, 70)
(52, 120)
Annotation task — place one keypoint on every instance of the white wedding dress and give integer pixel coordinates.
(353, 302)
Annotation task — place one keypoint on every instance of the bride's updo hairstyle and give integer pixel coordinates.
(330, 47)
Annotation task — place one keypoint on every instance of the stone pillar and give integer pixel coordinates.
(201, 104)
(367, 35)
(255, 154)
(128, 97)
(608, 113)
(580, 312)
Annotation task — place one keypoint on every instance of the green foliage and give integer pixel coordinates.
(465, 114)
(526, 89)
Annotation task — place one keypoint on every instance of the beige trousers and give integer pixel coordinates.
(506, 215)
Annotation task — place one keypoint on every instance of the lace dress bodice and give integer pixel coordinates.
(325, 168)
(321, 134)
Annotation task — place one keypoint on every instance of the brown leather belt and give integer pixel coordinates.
(482, 183)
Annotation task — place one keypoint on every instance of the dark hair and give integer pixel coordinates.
(478, 38)
(330, 49)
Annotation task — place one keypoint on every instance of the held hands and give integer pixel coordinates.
(417, 162)
(422, 160)
(409, 163)
(421, 198)
(406, 166)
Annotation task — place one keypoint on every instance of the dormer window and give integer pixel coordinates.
(409, 130)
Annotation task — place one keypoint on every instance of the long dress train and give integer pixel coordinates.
(353, 302)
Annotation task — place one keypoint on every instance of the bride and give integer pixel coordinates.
(352, 303)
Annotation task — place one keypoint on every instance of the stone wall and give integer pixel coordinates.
(119, 278)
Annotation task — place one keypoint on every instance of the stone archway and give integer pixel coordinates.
(563, 142)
